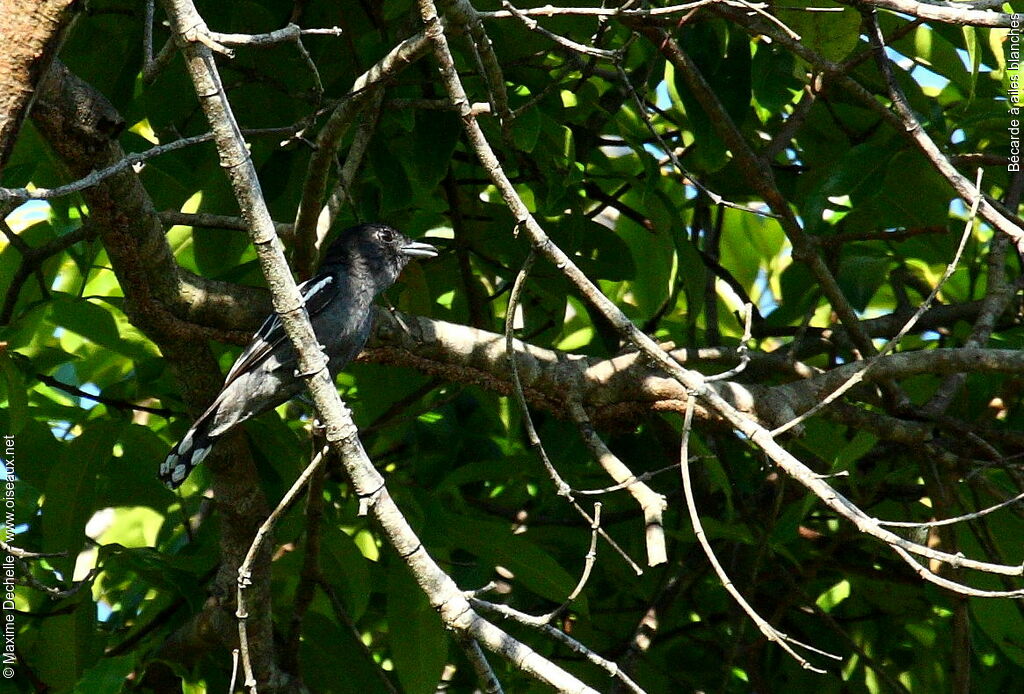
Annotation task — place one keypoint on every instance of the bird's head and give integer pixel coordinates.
(379, 249)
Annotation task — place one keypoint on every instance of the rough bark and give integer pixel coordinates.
(81, 126)
(31, 32)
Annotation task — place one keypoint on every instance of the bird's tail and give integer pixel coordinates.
(191, 450)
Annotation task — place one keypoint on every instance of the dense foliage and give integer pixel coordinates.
(798, 173)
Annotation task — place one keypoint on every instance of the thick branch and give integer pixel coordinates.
(31, 32)
(342, 434)
(80, 126)
(946, 12)
(692, 381)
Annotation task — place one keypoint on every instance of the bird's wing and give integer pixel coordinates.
(317, 293)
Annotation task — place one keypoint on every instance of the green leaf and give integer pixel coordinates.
(67, 644)
(35, 234)
(710, 153)
(396, 192)
(37, 443)
(654, 251)
(858, 175)
(217, 251)
(71, 487)
(890, 206)
(131, 477)
(495, 543)
(345, 568)
(748, 245)
(773, 83)
(154, 568)
(999, 624)
(436, 135)
(974, 55)
(419, 644)
(333, 656)
(832, 34)
(831, 598)
(98, 324)
(861, 445)
(861, 275)
(132, 527)
(14, 393)
(526, 129)
(107, 676)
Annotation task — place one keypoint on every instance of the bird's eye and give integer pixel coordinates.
(386, 235)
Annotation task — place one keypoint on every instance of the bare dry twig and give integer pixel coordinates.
(912, 128)
(784, 641)
(557, 635)
(363, 91)
(895, 341)
(947, 12)
(757, 434)
(341, 432)
(652, 504)
(562, 487)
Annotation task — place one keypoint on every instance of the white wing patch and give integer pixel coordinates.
(272, 331)
(317, 294)
(309, 292)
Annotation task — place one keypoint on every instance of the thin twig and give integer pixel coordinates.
(561, 486)
(913, 129)
(109, 402)
(130, 160)
(151, 67)
(894, 342)
(770, 632)
(310, 572)
(953, 586)
(213, 221)
(955, 519)
(290, 32)
(347, 176)
(235, 653)
(534, 26)
(642, 477)
(558, 635)
(947, 13)
(693, 381)
(489, 66)
(651, 503)
(550, 11)
(32, 259)
(742, 351)
(588, 566)
(489, 681)
(364, 88)
(25, 554)
(671, 154)
(760, 177)
(245, 568)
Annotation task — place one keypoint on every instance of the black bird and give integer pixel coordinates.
(361, 263)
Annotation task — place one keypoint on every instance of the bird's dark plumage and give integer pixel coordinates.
(363, 261)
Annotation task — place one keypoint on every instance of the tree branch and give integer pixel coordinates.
(31, 32)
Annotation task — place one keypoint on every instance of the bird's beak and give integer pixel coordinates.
(416, 249)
